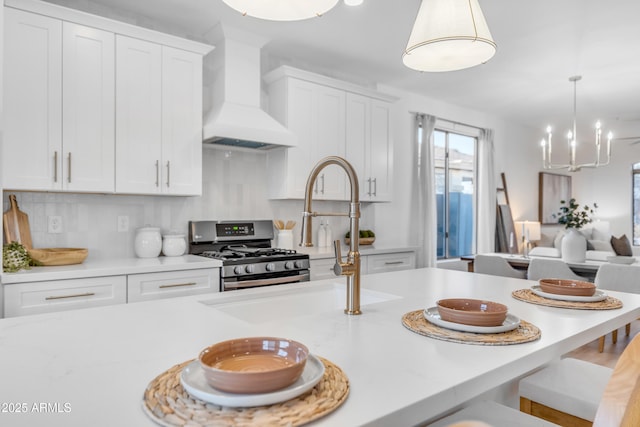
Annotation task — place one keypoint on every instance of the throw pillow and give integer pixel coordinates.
(599, 245)
(621, 245)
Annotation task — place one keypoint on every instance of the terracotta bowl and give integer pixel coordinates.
(472, 311)
(253, 365)
(567, 287)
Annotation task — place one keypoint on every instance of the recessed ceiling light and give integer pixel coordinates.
(353, 2)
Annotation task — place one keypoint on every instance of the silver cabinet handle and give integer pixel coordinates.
(177, 285)
(322, 178)
(375, 187)
(315, 187)
(55, 166)
(168, 173)
(157, 173)
(392, 262)
(69, 172)
(87, 294)
(369, 192)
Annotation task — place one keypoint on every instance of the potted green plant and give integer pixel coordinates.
(574, 217)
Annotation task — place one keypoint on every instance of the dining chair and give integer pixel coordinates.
(618, 402)
(497, 266)
(542, 268)
(618, 277)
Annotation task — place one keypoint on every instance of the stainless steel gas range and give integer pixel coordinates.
(248, 260)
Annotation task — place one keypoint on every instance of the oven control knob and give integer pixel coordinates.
(288, 265)
(250, 268)
(299, 264)
(270, 266)
(238, 269)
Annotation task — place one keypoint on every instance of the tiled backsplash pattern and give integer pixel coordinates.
(234, 187)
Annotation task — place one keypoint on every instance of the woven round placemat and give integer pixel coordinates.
(168, 404)
(415, 321)
(527, 295)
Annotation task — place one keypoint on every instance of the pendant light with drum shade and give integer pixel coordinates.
(282, 10)
(448, 35)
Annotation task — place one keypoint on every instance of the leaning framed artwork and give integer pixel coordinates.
(552, 188)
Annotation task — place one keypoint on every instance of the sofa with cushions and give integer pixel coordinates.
(600, 243)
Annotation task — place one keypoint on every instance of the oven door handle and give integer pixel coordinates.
(264, 282)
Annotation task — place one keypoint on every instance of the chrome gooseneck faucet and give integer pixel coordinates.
(350, 268)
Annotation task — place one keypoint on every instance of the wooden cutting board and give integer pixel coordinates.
(16, 224)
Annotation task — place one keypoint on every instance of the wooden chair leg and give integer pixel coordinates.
(614, 334)
(601, 344)
(627, 328)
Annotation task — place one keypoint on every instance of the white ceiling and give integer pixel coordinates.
(541, 43)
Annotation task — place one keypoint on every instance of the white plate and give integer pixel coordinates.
(194, 382)
(598, 296)
(621, 259)
(510, 323)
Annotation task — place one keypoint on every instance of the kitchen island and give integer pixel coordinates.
(91, 366)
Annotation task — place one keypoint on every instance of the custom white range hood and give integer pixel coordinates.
(235, 117)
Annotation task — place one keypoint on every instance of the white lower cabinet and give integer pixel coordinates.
(60, 295)
(151, 286)
(380, 263)
(322, 268)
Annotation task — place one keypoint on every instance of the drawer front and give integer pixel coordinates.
(321, 268)
(59, 295)
(151, 286)
(391, 262)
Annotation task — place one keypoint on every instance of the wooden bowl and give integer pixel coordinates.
(253, 365)
(58, 256)
(363, 241)
(472, 311)
(567, 287)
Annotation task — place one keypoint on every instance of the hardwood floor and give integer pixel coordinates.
(611, 352)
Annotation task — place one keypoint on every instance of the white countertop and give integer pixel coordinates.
(99, 361)
(110, 267)
(327, 252)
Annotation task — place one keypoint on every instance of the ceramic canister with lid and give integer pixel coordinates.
(148, 242)
(173, 244)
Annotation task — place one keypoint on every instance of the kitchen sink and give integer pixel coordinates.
(290, 303)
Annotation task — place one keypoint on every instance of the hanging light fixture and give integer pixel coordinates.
(448, 35)
(282, 10)
(572, 139)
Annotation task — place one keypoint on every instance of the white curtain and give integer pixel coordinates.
(425, 190)
(487, 194)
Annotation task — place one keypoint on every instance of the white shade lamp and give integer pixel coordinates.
(282, 10)
(448, 35)
(530, 232)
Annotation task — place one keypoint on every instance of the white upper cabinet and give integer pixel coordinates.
(87, 109)
(158, 119)
(181, 121)
(94, 105)
(58, 104)
(369, 147)
(138, 116)
(32, 148)
(329, 118)
(315, 114)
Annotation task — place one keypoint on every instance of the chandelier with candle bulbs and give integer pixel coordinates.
(572, 138)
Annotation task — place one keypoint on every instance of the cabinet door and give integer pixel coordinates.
(31, 153)
(88, 109)
(380, 153)
(181, 122)
(329, 140)
(138, 116)
(320, 269)
(358, 133)
(60, 295)
(380, 263)
(151, 286)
